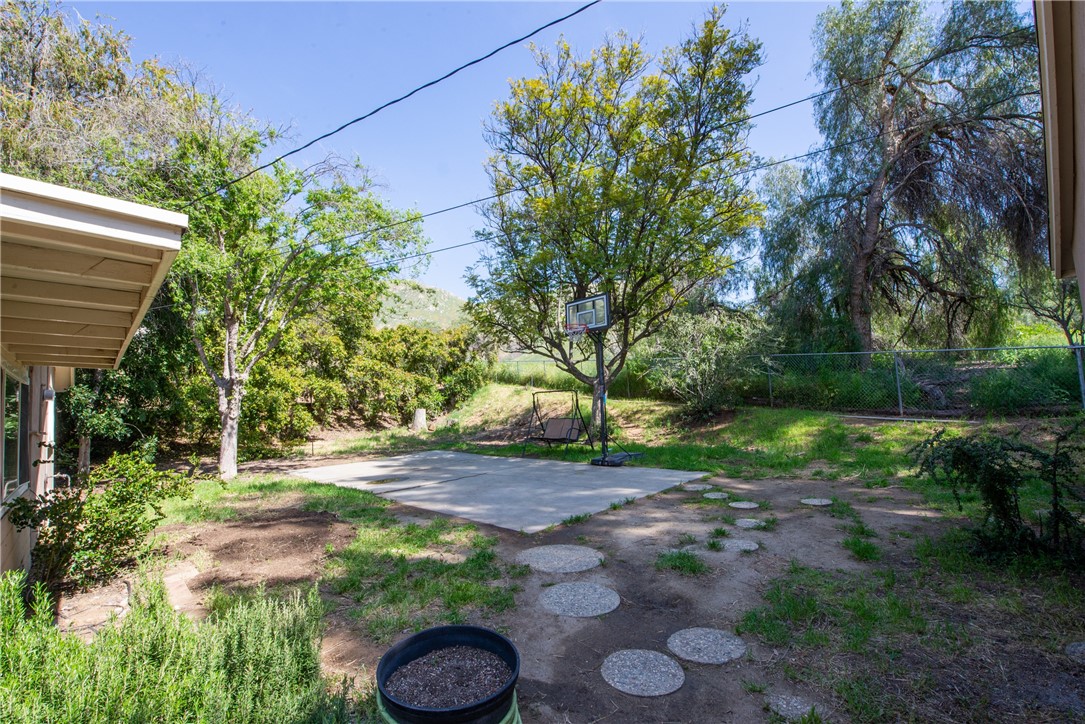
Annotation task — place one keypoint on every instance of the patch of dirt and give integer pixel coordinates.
(560, 679)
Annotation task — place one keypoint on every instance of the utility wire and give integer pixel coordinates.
(744, 119)
(769, 164)
(388, 263)
(418, 217)
(394, 101)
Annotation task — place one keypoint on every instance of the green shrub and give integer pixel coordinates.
(1032, 378)
(999, 469)
(703, 359)
(98, 523)
(259, 661)
(400, 369)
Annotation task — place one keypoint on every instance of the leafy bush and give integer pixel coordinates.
(259, 661)
(704, 359)
(403, 368)
(88, 529)
(999, 469)
(1031, 379)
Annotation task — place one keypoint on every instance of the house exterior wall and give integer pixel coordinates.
(16, 546)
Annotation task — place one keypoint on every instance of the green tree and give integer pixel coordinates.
(399, 369)
(96, 405)
(616, 173)
(268, 251)
(935, 169)
(76, 110)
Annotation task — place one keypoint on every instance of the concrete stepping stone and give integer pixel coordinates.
(643, 673)
(560, 558)
(697, 486)
(748, 523)
(744, 505)
(742, 546)
(1076, 651)
(579, 599)
(792, 708)
(716, 496)
(816, 502)
(706, 645)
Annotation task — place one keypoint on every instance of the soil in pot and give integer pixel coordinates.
(449, 677)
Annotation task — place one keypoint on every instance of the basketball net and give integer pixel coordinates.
(575, 332)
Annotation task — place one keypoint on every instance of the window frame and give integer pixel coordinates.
(16, 487)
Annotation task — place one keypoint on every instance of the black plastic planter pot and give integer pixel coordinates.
(499, 708)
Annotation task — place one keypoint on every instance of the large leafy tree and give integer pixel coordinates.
(268, 251)
(615, 172)
(934, 177)
(76, 110)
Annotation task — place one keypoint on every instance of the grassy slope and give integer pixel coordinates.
(420, 306)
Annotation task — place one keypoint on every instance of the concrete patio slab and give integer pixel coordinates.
(514, 493)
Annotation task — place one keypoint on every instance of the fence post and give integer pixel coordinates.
(1080, 374)
(896, 376)
(770, 388)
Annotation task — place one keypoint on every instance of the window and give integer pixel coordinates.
(16, 453)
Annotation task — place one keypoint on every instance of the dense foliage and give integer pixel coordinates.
(87, 529)
(931, 189)
(403, 368)
(259, 661)
(707, 360)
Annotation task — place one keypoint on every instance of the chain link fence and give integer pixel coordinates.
(928, 382)
(918, 383)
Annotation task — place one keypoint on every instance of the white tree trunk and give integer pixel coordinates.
(229, 417)
(231, 389)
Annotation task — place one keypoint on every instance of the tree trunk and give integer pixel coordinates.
(229, 417)
(231, 389)
(84, 455)
(862, 275)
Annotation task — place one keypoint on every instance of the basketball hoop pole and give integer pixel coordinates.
(600, 372)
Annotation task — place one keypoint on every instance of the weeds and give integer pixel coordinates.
(683, 562)
(575, 519)
(862, 549)
(1000, 470)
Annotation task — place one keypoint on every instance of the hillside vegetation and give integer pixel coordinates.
(409, 302)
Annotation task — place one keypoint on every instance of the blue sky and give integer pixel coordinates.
(315, 65)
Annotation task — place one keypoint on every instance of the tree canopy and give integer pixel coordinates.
(620, 173)
(934, 177)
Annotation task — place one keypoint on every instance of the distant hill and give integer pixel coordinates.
(409, 302)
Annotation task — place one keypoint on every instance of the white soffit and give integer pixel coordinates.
(78, 272)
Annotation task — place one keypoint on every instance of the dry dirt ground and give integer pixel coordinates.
(277, 543)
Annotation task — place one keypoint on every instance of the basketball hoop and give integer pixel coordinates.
(575, 332)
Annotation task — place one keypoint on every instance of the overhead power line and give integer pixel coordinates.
(814, 96)
(417, 217)
(760, 167)
(394, 101)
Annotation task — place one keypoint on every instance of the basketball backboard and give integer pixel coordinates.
(593, 312)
